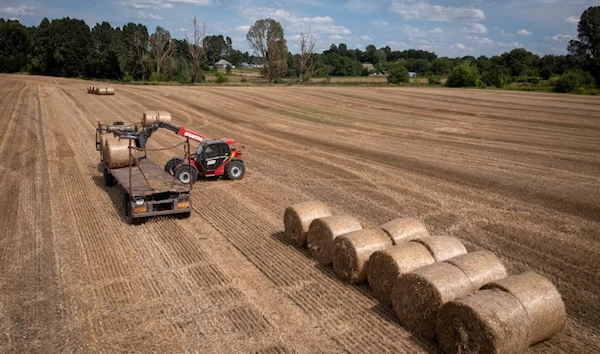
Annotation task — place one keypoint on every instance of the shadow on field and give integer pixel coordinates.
(115, 194)
(381, 310)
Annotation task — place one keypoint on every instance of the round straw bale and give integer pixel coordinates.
(490, 321)
(404, 229)
(110, 91)
(117, 153)
(480, 267)
(351, 253)
(442, 247)
(150, 117)
(541, 300)
(387, 265)
(323, 231)
(102, 91)
(417, 296)
(297, 219)
(96, 90)
(103, 138)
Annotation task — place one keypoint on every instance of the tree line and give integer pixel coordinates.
(68, 47)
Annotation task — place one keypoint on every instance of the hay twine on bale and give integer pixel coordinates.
(117, 153)
(491, 321)
(352, 252)
(417, 296)
(150, 117)
(322, 233)
(386, 265)
(405, 229)
(543, 303)
(297, 219)
(480, 267)
(442, 247)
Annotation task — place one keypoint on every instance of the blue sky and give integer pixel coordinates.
(449, 28)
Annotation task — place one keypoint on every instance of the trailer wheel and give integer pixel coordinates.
(109, 180)
(235, 170)
(184, 215)
(171, 165)
(187, 174)
(129, 213)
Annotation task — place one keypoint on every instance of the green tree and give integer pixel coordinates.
(14, 46)
(133, 51)
(397, 74)
(465, 75)
(103, 59)
(267, 39)
(441, 66)
(161, 49)
(497, 76)
(236, 58)
(216, 48)
(587, 45)
(572, 80)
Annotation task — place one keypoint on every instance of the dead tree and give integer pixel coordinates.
(306, 65)
(140, 47)
(162, 48)
(197, 51)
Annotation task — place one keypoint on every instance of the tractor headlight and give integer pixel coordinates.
(139, 202)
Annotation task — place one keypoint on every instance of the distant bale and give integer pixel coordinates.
(480, 267)
(405, 229)
(150, 117)
(387, 265)
(352, 252)
(102, 91)
(297, 219)
(323, 231)
(417, 296)
(117, 153)
(110, 91)
(442, 247)
(96, 90)
(544, 306)
(491, 321)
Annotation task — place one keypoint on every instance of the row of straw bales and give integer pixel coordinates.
(438, 290)
(101, 90)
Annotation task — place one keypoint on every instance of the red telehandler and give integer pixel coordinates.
(213, 158)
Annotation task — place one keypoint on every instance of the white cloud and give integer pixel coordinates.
(437, 30)
(141, 14)
(22, 10)
(318, 25)
(460, 46)
(183, 30)
(510, 45)
(475, 28)
(419, 9)
(413, 32)
(395, 45)
(243, 29)
(562, 37)
(524, 32)
(160, 4)
(366, 38)
(384, 23)
(480, 40)
(572, 19)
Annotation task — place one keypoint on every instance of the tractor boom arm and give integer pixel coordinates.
(181, 131)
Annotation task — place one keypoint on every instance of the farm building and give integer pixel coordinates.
(222, 64)
(412, 74)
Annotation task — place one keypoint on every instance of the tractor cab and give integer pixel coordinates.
(212, 154)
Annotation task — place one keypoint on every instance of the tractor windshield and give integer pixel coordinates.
(199, 151)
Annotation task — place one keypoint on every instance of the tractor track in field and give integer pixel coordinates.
(499, 170)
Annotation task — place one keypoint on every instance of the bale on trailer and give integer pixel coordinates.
(150, 117)
(117, 153)
(404, 229)
(544, 306)
(442, 247)
(480, 267)
(297, 219)
(352, 252)
(386, 265)
(491, 321)
(417, 296)
(103, 138)
(322, 233)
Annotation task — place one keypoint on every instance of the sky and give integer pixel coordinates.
(453, 28)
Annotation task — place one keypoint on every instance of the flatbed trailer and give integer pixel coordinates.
(148, 190)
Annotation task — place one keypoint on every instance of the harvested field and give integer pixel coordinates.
(514, 173)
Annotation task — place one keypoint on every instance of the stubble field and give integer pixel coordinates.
(514, 173)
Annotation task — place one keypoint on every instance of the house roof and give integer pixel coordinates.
(222, 62)
(368, 66)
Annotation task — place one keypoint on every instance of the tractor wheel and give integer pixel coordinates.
(235, 170)
(109, 180)
(171, 165)
(187, 174)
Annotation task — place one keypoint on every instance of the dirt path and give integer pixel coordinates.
(515, 173)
